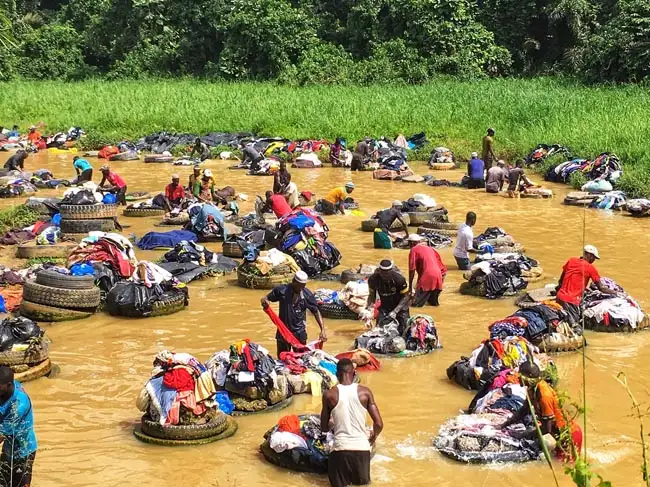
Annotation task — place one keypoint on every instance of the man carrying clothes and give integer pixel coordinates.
(431, 272)
(391, 288)
(347, 405)
(334, 200)
(552, 420)
(465, 242)
(17, 428)
(200, 148)
(576, 274)
(83, 168)
(488, 149)
(496, 177)
(117, 184)
(252, 158)
(277, 203)
(295, 299)
(16, 162)
(476, 172)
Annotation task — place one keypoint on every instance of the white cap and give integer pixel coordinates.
(590, 249)
(414, 237)
(385, 265)
(501, 162)
(175, 176)
(397, 203)
(349, 185)
(207, 173)
(474, 154)
(301, 277)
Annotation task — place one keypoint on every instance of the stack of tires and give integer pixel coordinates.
(29, 364)
(219, 428)
(78, 220)
(59, 297)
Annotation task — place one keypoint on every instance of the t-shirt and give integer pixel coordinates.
(390, 290)
(33, 136)
(577, 273)
(476, 167)
(496, 176)
(18, 425)
(385, 218)
(82, 164)
(115, 180)
(294, 315)
(13, 163)
(464, 241)
(337, 195)
(514, 176)
(174, 193)
(429, 266)
(549, 406)
(279, 205)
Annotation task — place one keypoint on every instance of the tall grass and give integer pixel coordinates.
(589, 120)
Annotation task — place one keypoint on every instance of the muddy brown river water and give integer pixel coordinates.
(84, 416)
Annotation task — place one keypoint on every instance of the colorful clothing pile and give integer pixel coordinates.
(309, 372)
(180, 391)
(615, 311)
(606, 166)
(420, 336)
(110, 248)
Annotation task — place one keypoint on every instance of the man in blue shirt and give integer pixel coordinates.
(476, 172)
(17, 428)
(83, 168)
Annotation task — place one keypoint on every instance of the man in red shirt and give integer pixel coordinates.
(277, 203)
(576, 274)
(117, 184)
(174, 194)
(431, 272)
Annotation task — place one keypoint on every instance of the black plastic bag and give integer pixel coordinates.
(131, 299)
(307, 262)
(83, 197)
(17, 330)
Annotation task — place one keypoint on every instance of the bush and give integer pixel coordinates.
(577, 180)
(52, 52)
(17, 217)
(323, 63)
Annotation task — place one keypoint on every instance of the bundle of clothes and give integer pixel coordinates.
(206, 221)
(496, 240)
(44, 179)
(420, 336)
(265, 263)
(421, 202)
(638, 207)
(435, 239)
(498, 275)
(297, 443)
(442, 155)
(159, 142)
(313, 371)
(544, 151)
(250, 375)
(189, 261)
(180, 391)
(86, 194)
(608, 312)
(111, 249)
(606, 166)
(353, 296)
(13, 186)
(303, 235)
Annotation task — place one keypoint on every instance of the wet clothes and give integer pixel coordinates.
(576, 275)
(293, 313)
(82, 165)
(386, 218)
(476, 183)
(17, 425)
(16, 472)
(463, 263)
(515, 177)
(426, 297)
(85, 176)
(15, 163)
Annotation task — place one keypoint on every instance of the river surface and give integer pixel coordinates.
(84, 415)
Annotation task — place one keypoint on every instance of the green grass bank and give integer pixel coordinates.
(588, 120)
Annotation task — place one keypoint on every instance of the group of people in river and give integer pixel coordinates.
(344, 407)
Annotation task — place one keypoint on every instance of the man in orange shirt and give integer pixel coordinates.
(576, 274)
(33, 135)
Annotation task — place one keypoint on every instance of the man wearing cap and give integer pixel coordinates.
(576, 274)
(117, 184)
(202, 149)
(488, 149)
(83, 168)
(334, 200)
(431, 271)
(476, 172)
(277, 203)
(496, 177)
(204, 187)
(465, 242)
(391, 288)
(295, 299)
(33, 135)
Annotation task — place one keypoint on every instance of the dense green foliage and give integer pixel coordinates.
(17, 217)
(452, 113)
(327, 41)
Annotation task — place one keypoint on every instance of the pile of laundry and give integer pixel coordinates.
(353, 297)
(296, 443)
(442, 155)
(420, 202)
(598, 194)
(14, 186)
(86, 194)
(160, 142)
(303, 235)
(207, 222)
(544, 151)
(496, 240)
(180, 392)
(268, 263)
(638, 207)
(494, 359)
(435, 239)
(478, 438)
(189, 261)
(498, 275)
(606, 312)
(111, 249)
(45, 233)
(313, 371)
(606, 167)
(44, 179)
(250, 375)
(421, 336)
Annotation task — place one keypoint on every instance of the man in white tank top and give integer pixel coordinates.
(347, 405)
